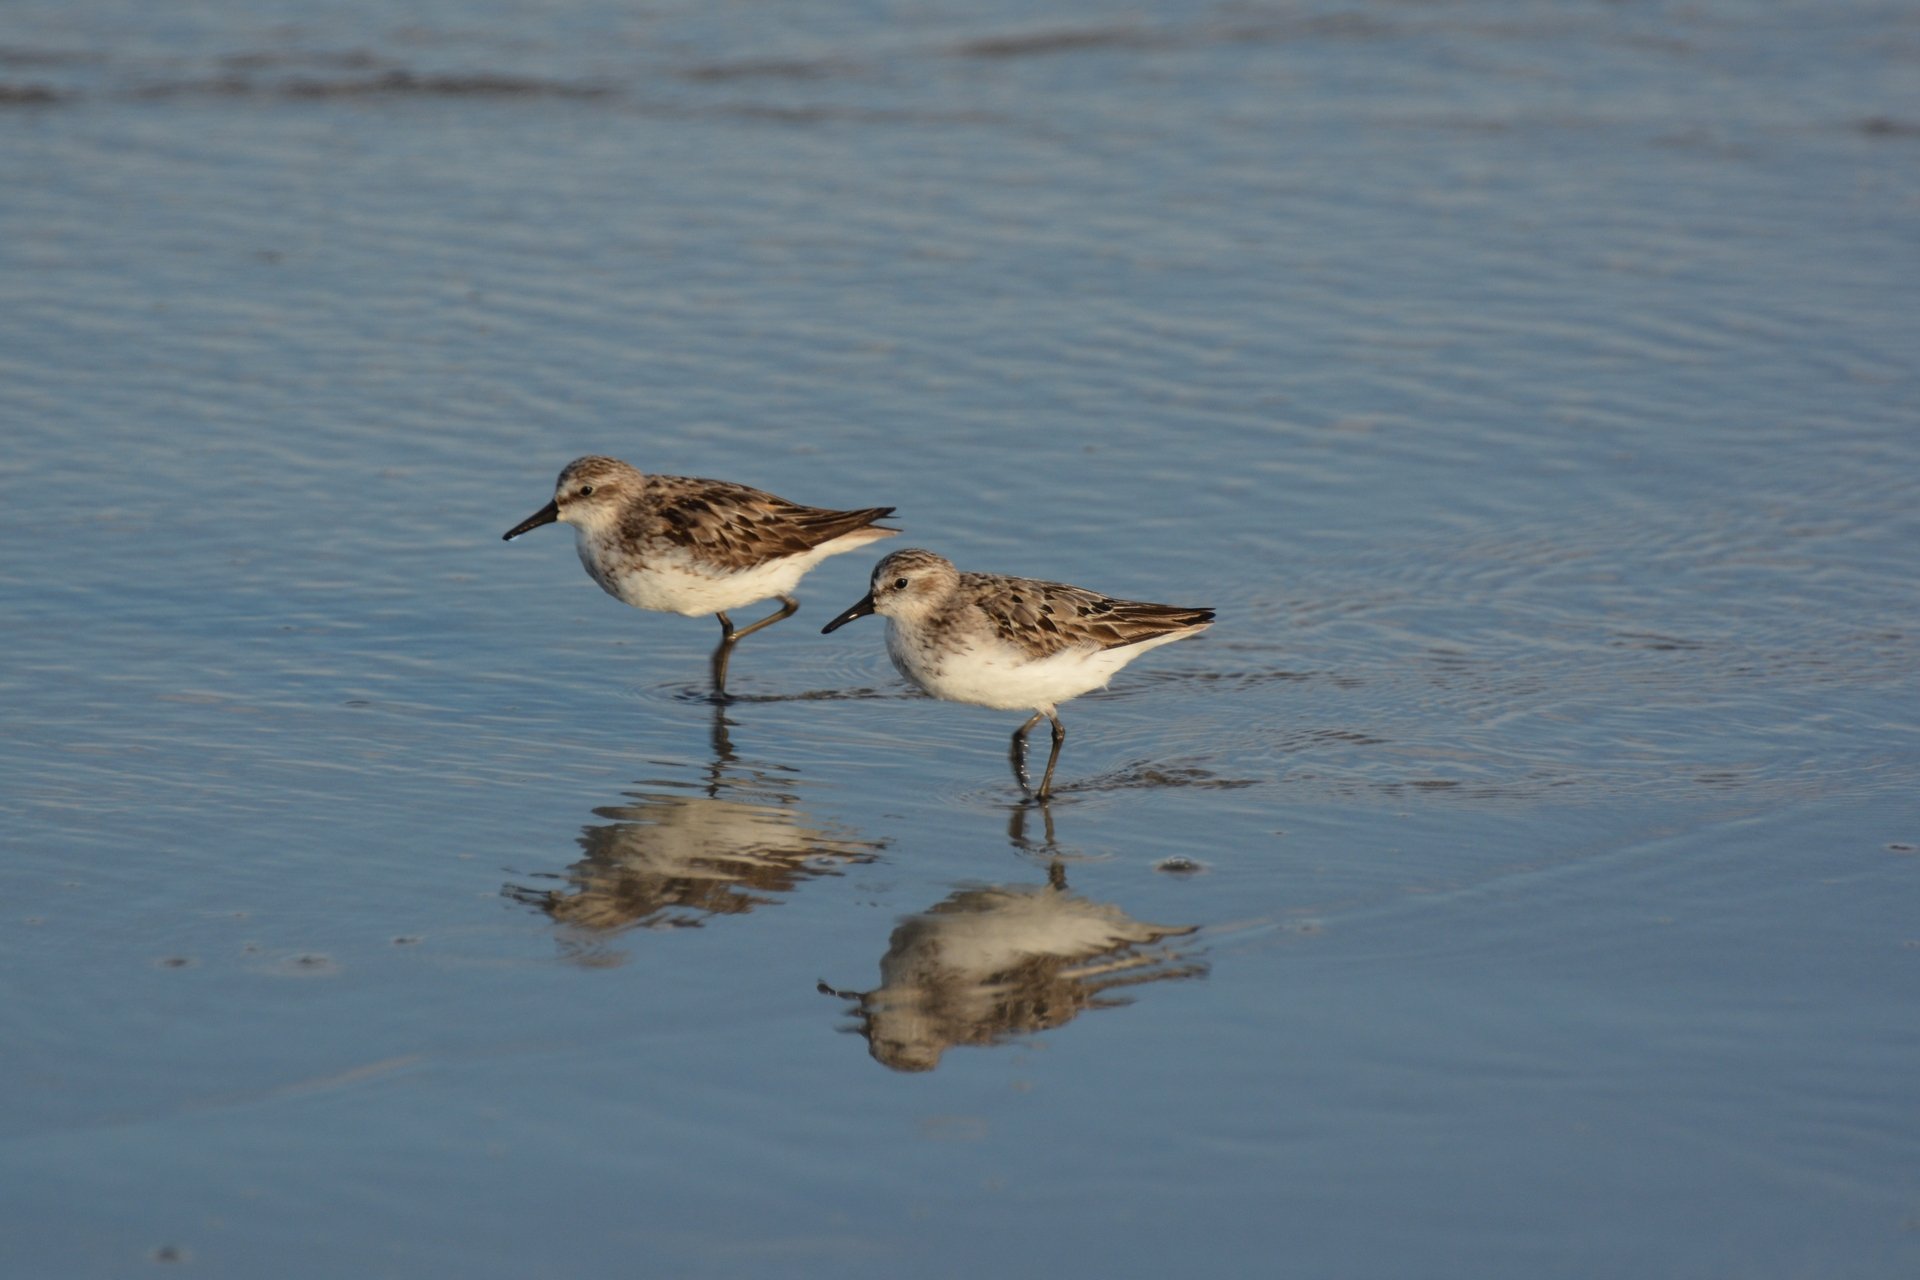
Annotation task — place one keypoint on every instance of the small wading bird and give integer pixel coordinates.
(1013, 644)
(678, 544)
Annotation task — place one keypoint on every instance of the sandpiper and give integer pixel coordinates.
(1011, 643)
(680, 544)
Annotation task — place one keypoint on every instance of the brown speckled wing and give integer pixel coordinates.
(1043, 618)
(732, 526)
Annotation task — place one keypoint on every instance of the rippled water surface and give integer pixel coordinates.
(1521, 879)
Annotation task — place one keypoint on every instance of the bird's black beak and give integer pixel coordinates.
(545, 515)
(859, 610)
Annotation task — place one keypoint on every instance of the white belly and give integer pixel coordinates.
(670, 588)
(998, 676)
(669, 585)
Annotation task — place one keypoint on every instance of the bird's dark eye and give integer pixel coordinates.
(899, 584)
(586, 490)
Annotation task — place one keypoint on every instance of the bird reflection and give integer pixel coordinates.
(998, 961)
(679, 853)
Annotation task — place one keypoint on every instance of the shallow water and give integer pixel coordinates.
(1520, 879)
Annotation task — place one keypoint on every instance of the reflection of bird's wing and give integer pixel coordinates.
(977, 936)
(687, 835)
(1044, 618)
(981, 931)
(1002, 960)
(678, 859)
(732, 526)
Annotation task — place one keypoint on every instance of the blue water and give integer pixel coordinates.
(1520, 879)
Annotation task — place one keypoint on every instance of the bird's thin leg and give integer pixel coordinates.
(788, 606)
(721, 655)
(729, 637)
(1017, 753)
(1053, 758)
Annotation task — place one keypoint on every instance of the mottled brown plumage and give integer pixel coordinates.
(729, 527)
(687, 545)
(1045, 618)
(1011, 643)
